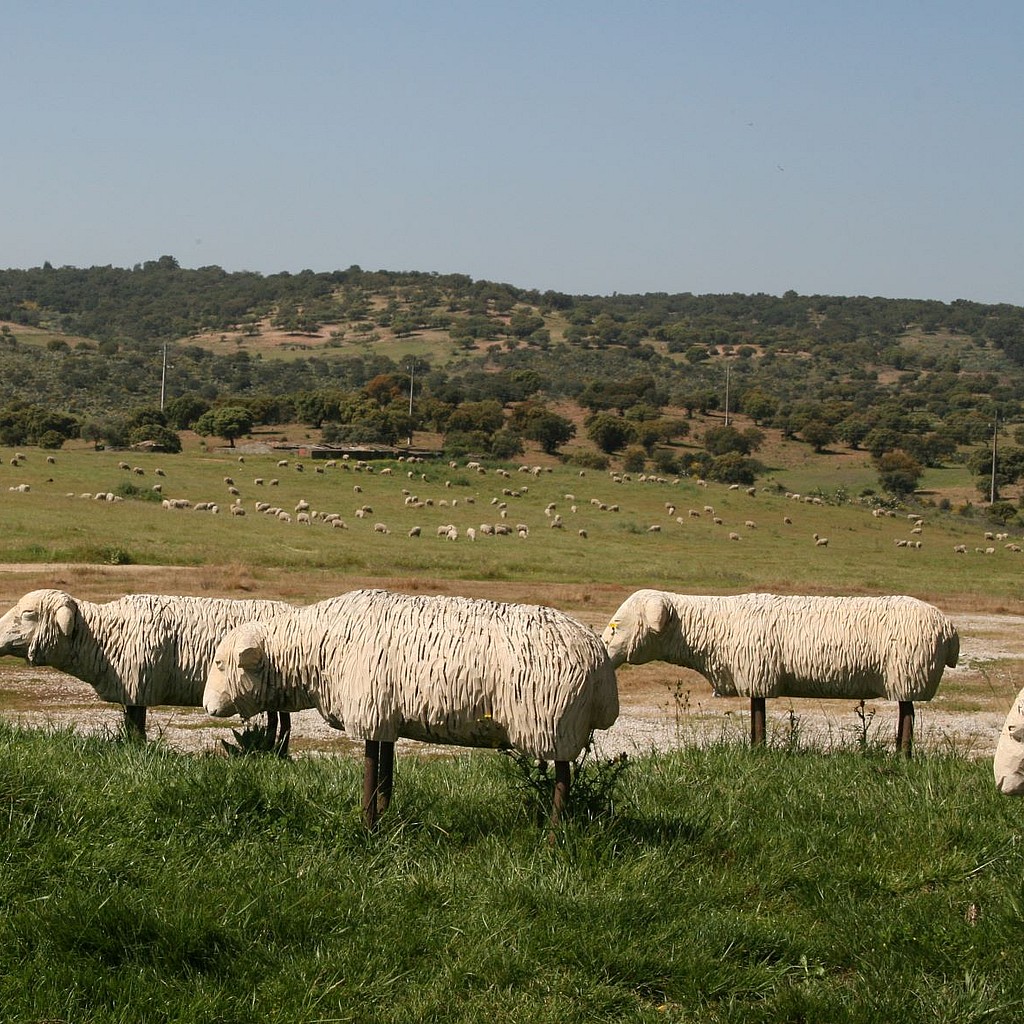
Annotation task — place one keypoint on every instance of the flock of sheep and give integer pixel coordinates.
(451, 670)
(410, 471)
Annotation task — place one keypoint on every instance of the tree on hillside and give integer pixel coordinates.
(486, 416)
(608, 431)
(899, 473)
(525, 322)
(720, 440)
(853, 429)
(758, 405)
(536, 422)
(1009, 468)
(549, 429)
(228, 421)
(818, 434)
(155, 433)
(184, 410)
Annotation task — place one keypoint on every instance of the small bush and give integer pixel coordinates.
(590, 460)
(634, 460)
(130, 491)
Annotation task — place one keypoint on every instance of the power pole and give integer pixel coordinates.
(995, 436)
(412, 378)
(163, 379)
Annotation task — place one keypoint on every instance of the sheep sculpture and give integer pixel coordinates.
(764, 645)
(446, 670)
(138, 651)
(1008, 763)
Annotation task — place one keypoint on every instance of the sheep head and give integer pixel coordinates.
(1008, 764)
(37, 628)
(237, 678)
(636, 631)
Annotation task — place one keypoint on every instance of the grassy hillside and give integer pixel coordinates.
(688, 550)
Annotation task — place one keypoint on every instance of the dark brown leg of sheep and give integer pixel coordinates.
(284, 734)
(563, 777)
(135, 721)
(905, 728)
(371, 783)
(757, 721)
(387, 775)
(279, 729)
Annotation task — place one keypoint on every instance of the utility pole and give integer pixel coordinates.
(995, 436)
(727, 394)
(163, 379)
(412, 378)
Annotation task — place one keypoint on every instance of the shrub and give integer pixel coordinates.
(634, 460)
(590, 460)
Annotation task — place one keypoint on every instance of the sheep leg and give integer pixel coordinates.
(387, 775)
(279, 729)
(135, 721)
(905, 727)
(563, 777)
(757, 721)
(284, 734)
(371, 781)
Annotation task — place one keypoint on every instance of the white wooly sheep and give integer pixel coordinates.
(764, 645)
(448, 670)
(139, 651)
(1008, 764)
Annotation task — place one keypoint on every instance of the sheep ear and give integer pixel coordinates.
(657, 612)
(250, 648)
(65, 618)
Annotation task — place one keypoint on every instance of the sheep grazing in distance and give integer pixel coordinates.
(763, 645)
(498, 675)
(1008, 763)
(139, 651)
(820, 542)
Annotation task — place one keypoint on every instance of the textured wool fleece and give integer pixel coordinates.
(143, 649)
(763, 645)
(439, 669)
(1008, 764)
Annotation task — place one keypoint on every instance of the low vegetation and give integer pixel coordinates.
(720, 885)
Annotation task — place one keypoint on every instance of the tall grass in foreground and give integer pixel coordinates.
(726, 885)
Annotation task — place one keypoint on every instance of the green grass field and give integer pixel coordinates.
(721, 885)
(53, 523)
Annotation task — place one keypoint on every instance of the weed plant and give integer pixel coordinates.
(725, 885)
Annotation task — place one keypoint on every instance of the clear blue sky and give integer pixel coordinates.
(871, 148)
